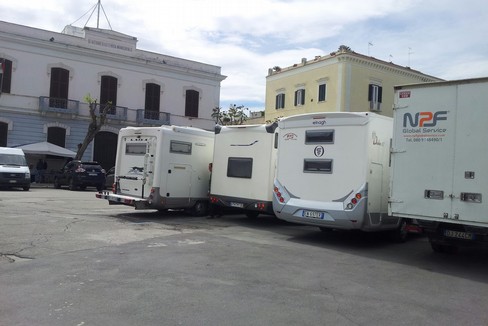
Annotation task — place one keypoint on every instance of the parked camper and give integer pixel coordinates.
(333, 172)
(439, 160)
(244, 168)
(162, 168)
(14, 171)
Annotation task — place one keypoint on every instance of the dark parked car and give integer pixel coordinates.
(109, 180)
(78, 174)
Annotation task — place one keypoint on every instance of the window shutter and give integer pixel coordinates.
(370, 93)
(303, 97)
(380, 94)
(296, 98)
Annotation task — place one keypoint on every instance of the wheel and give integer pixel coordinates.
(82, 187)
(100, 187)
(400, 234)
(252, 214)
(57, 185)
(199, 209)
(443, 249)
(26, 188)
(72, 185)
(324, 229)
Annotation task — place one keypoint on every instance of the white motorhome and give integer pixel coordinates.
(440, 159)
(162, 168)
(14, 171)
(333, 172)
(243, 168)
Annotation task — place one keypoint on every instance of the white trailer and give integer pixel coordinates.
(162, 168)
(244, 168)
(333, 172)
(440, 159)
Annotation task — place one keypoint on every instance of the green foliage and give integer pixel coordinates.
(233, 116)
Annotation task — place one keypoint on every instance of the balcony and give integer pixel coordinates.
(154, 118)
(114, 112)
(58, 105)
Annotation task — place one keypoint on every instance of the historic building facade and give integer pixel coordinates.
(342, 81)
(46, 77)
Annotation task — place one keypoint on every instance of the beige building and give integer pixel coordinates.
(343, 81)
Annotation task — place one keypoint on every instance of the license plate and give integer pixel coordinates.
(239, 205)
(459, 235)
(92, 174)
(13, 181)
(313, 214)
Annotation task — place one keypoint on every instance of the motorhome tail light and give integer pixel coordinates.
(213, 199)
(358, 196)
(354, 201)
(260, 206)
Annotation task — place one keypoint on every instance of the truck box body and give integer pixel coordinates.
(162, 167)
(244, 168)
(333, 171)
(440, 158)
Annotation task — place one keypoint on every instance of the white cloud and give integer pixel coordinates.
(245, 38)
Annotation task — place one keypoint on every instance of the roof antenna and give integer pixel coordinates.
(92, 9)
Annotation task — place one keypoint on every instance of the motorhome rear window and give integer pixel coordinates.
(180, 147)
(319, 137)
(317, 166)
(239, 167)
(135, 149)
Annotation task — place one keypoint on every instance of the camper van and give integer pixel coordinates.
(14, 171)
(333, 172)
(162, 168)
(243, 168)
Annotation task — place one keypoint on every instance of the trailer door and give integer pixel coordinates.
(178, 182)
(470, 202)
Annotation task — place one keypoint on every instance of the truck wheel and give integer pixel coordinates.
(199, 209)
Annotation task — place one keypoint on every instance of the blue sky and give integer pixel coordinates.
(446, 39)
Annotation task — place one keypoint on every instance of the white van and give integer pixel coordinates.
(333, 171)
(244, 168)
(14, 171)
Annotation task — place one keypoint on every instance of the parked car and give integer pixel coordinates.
(79, 174)
(109, 178)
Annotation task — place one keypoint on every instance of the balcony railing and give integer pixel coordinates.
(151, 117)
(114, 112)
(60, 105)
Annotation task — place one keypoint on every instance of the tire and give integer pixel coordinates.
(82, 187)
(100, 187)
(199, 209)
(324, 229)
(57, 185)
(72, 185)
(26, 188)
(252, 214)
(443, 249)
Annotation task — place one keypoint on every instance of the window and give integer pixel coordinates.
(322, 92)
(56, 136)
(375, 97)
(299, 97)
(239, 167)
(151, 108)
(180, 147)
(135, 149)
(5, 75)
(108, 93)
(191, 103)
(58, 91)
(319, 137)
(3, 134)
(317, 166)
(280, 101)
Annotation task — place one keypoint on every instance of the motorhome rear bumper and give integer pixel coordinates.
(113, 199)
(262, 206)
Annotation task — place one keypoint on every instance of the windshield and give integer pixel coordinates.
(12, 159)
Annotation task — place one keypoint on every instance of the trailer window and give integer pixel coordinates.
(135, 149)
(239, 167)
(319, 137)
(180, 147)
(317, 166)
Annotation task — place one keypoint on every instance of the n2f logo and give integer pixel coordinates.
(424, 119)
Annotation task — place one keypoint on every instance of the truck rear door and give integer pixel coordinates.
(470, 202)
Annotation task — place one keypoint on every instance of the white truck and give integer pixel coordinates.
(440, 159)
(162, 168)
(333, 172)
(244, 168)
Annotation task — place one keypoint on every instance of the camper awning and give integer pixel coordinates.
(45, 148)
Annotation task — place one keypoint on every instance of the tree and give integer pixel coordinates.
(96, 123)
(233, 116)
